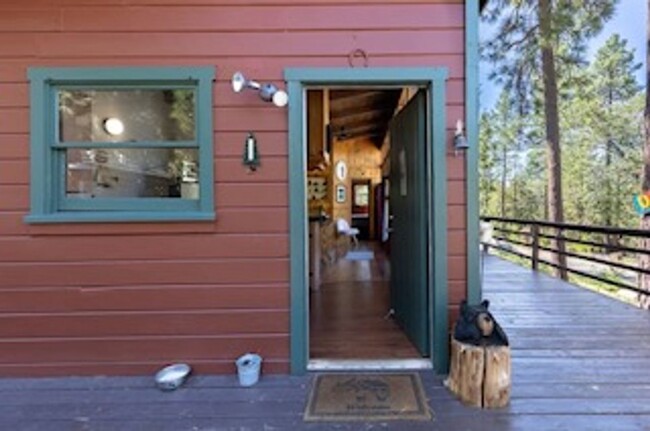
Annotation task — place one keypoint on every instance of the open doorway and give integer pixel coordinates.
(367, 199)
(431, 111)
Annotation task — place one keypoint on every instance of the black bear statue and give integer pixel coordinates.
(476, 325)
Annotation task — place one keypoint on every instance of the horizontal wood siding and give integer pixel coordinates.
(127, 298)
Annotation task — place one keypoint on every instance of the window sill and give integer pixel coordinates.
(119, 216)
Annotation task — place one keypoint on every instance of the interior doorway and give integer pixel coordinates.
(368, 259)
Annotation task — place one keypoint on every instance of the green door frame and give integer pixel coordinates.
(434, 79)
(474, 288)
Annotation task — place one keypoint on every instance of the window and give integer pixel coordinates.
(121, 144)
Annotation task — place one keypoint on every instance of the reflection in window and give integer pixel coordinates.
(146, 115)
(132, 172)
(121, 144)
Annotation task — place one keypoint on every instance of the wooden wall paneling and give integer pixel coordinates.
(102, 273)
(14, 69)
(185, 323)
(150, 298)
(163, 349)
(174, 3)
(71, 277)
(150, 248)
(239, 19)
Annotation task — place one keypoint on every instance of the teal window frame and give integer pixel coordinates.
(47, 199)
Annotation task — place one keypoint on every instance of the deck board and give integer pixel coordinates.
(579, 363)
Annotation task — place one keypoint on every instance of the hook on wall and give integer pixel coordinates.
(355, 54)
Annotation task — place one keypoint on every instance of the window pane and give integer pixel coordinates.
(132, 172)
(126, 115)
(361, 195)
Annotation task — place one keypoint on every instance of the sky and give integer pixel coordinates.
(629, 21)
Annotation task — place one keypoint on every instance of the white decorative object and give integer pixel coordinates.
(341, 170)
(316, 188)
(340, 193)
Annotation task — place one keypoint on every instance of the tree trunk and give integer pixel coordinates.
(644, 260)
(608, 183)
(608, 178)
(554, 157)
(608, 194)
(504, 172)
(515, 168)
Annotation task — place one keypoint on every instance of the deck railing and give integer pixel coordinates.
(587, 248)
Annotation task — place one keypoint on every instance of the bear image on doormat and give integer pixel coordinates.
(476, 326)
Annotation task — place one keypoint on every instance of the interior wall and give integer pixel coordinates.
(407, 94)
(363, 160)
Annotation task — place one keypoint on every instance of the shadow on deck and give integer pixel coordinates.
(580, 362)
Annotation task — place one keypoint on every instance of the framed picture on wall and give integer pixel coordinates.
(340, 194)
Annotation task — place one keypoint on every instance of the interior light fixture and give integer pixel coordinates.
(113, 126)
(267, 92)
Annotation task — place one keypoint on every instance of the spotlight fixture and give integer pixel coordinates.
(113, 126)
(267, 92)
(239, 81)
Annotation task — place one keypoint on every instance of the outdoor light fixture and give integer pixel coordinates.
(267, 92)
(251, 157)
(113, 126)
(460, 141)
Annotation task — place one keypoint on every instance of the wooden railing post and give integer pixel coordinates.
(560, 246)
(534, 233)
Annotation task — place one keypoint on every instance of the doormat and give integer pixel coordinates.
(367, 397)
(360, 255)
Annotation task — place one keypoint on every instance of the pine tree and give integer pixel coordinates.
(644, 299)
(534, 38)
(487, 165)
(614, 84)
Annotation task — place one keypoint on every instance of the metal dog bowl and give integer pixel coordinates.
(172, 377)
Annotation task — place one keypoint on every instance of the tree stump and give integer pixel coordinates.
(480, 375)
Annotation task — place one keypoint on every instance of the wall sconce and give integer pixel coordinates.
(460, 141)
(267, 92)
(113, 126)
(251, 157)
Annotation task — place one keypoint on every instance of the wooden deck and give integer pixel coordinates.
(580, 362)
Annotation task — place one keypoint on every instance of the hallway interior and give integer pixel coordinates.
(349, 312)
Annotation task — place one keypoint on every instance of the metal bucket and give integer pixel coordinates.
(248, 369)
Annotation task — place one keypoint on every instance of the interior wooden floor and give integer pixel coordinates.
(348, 312)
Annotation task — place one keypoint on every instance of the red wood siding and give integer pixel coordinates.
(127, 298)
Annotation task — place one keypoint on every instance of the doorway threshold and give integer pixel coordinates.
(369, 364)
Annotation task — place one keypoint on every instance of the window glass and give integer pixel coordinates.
(126, 115)
(121, 144)
(361, 195)
(132, 172)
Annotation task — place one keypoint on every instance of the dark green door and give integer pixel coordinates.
(408, 202)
